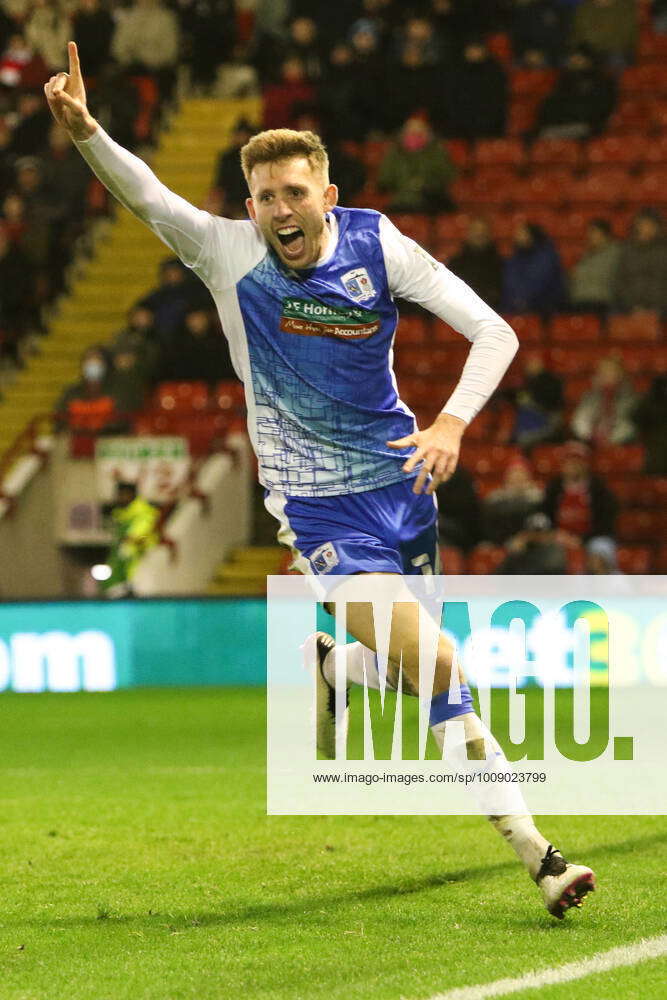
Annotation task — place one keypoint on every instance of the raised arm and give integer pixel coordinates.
(414, 275)
(180, 225)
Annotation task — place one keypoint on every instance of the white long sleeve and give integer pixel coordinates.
(218, 250)
(416, 276)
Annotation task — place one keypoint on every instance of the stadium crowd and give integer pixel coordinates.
(459, 117)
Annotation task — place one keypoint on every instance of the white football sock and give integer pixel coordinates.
(357, 659)
(502, 802)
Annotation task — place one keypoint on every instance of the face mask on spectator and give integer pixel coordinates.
(415, 141)
(94, 370)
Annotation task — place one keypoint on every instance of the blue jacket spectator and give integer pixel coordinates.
(533, 276)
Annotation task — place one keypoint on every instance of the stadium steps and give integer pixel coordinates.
(124, 266)
(244, 573)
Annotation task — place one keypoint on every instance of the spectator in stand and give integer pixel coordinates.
(507, 507)
(93, 29)
(88, 405)
(610, 27)
(604, 414)
(539, 405)
(199, 351)
(538, 32)
(533, 276)
(479, 263)
(650, 419)
(459, 511)
(536, 550)
(31, 124)
(345, 105)
(303, 43)
(640, 281)
(475, 106)
(285, 100)
(420, 32)
(578, 502)
(118, 100)
(20, 66)
(659, 11)
(592, 277)
(170, 301)
(146, 42)
(66, 182)
(348, 169)
(368, 70)
(417, 171)
(6, 157)
(128, 384)
(411, 88)
(208, 29)
(32, 241)
(47, 31)
(602, 557)
(134, 531)
(229, 177)
(38, 215)
(139, 337)
(581, 102)
(16, 298)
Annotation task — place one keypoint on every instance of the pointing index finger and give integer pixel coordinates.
(74, 65)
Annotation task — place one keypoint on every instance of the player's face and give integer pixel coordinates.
(289, 201)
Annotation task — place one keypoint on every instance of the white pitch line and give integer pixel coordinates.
(625, 955)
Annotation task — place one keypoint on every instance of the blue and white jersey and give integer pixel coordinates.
(314, 348)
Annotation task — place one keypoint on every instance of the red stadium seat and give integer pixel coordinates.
(660, 565)
(574, 360)
(634, 559)
(532, 82)
(230, 395)
(575, 329)
(656, 151)
(485, 558)
(649, 78)
(499, 152)
(627, 150)
(548, 189)
(576, 560)
(459, 152)
(632, 113)
(602, 186)
(452, 560)
(413, 329)
(641, 526)
(182, 397)
(485, 460)
(556, 152)
(373, 151)
(619, 458)
(575, 388)
(641, 325)
(522, 113)
(650, 188)
(527, 327)
(546, 459)
(642, 358)
(571, 252)
(451, 227)
(417, 227)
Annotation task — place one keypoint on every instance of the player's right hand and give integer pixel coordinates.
(66, 96)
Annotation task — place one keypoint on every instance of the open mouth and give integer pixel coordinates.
(293, 240)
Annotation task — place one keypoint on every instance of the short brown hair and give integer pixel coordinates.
(282, 144)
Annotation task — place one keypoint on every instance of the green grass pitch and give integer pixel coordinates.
(137, 863)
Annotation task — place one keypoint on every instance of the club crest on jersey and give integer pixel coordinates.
(358, 284)
(324, 558)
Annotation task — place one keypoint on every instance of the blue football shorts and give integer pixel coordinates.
(388, 530)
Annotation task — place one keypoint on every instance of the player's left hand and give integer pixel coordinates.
(438, 446)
